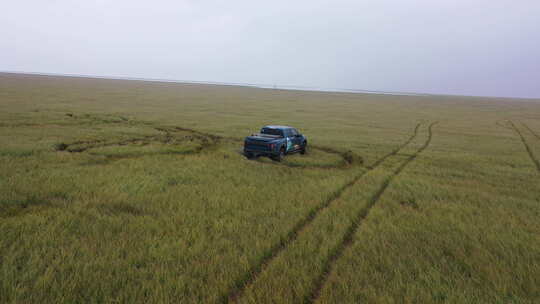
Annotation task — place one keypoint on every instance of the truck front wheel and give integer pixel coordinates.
(304, 148)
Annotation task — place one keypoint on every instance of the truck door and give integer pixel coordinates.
(290, 139)
(295, 140)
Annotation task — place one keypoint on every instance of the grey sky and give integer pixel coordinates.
(467, 47)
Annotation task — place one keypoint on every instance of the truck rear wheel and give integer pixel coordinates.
(280, 156)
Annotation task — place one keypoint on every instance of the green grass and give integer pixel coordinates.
(129, 191)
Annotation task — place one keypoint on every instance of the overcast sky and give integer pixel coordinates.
(465, 47)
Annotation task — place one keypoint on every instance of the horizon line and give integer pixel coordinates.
(257, 85)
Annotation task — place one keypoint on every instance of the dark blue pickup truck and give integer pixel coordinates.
(275, 142)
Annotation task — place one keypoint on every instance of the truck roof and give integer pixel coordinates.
(278, 127)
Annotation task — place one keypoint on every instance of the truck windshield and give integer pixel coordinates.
(271, 131)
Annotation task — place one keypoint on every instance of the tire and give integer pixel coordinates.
(304, 149)
(249, 155)
(280, 156)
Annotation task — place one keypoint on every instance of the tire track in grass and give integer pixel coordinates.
(530, 130)
(502, 125)
(353, 229)
(527, 147)
(168, 136)
(348, 159)
(251, 276)
(207, 140)
(379, 161)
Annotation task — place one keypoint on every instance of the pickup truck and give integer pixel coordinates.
(275, 142)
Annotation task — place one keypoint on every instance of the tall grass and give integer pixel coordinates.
(129, 191)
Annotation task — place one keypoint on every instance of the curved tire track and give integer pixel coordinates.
(347, 240)
(395, 151)
(502, 125)
(167, 136)
(348, 159)
(251, 276)
(208, 141)
(531, 131)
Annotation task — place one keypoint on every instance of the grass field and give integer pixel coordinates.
(137, 192)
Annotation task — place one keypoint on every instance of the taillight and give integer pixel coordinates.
(272, 146)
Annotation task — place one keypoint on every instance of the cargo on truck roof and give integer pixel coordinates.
(277, 127)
